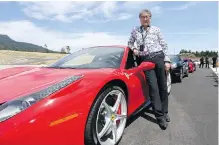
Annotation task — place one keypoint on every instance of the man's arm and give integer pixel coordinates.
(131, 40)
(163, 45)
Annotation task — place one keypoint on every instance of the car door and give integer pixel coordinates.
(138, 88)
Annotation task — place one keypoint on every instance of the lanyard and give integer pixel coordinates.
(143, 37)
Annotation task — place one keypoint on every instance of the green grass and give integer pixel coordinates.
(8, 57)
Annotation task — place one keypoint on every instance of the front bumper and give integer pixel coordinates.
(39, 132)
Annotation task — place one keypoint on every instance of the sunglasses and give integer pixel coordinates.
(145, 17)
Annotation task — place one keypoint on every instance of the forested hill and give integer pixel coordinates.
(6, 43)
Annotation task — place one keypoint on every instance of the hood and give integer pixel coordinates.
(15, 82)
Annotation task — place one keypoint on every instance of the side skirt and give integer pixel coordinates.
(145, 105)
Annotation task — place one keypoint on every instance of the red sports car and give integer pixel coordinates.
(84, 98)
(191, 65)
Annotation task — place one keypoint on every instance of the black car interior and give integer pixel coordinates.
(132, 60)
(114, 59)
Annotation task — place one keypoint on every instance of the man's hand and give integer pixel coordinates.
(167, 66)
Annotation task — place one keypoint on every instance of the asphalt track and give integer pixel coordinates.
(193, 108)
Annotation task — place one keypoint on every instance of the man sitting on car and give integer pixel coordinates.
(152, 47)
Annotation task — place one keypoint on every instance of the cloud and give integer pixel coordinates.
(62, 11)
(69, 11)
(138, 5)
(156, 10)
(26, 31)
(188, 33)
(184, 6)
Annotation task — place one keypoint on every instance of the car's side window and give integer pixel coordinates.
(130, 63)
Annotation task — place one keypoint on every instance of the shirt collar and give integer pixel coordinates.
(141, 28)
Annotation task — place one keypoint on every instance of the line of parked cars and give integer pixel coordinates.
(181, 68)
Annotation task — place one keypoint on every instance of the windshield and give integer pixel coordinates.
(174, 58)
(95, 57)
(187, 60)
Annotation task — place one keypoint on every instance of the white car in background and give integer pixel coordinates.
(197, 62)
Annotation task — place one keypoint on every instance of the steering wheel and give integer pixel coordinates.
(110, 62)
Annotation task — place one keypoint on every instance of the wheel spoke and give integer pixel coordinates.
(118, 100)
(114, 132)
(105, 128)
(120, 117)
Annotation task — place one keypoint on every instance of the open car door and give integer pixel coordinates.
(136, 80)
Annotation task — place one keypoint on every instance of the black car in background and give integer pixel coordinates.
(179, 69)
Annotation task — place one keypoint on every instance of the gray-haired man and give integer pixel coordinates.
(152, 47)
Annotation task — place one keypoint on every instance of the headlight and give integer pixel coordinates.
(14, 107)
(174, 65)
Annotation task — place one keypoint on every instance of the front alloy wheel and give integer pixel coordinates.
(107, 119)
(111, 120)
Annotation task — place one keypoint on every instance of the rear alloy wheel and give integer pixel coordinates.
(169, 82)
(107, 119)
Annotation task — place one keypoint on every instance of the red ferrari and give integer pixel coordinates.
(191, 65)
(83, 98)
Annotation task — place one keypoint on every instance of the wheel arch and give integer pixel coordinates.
(119, 83)
(115, 82)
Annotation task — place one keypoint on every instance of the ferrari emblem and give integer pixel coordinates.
(113, 117)
(127, 75)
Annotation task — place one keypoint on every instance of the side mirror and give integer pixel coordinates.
(146, 66)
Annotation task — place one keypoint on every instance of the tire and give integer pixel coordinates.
(97, 111)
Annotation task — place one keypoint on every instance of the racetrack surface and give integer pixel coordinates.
(193, 108)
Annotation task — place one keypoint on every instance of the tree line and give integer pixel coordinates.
(200, 53)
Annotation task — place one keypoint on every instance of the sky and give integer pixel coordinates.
(184, 25)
